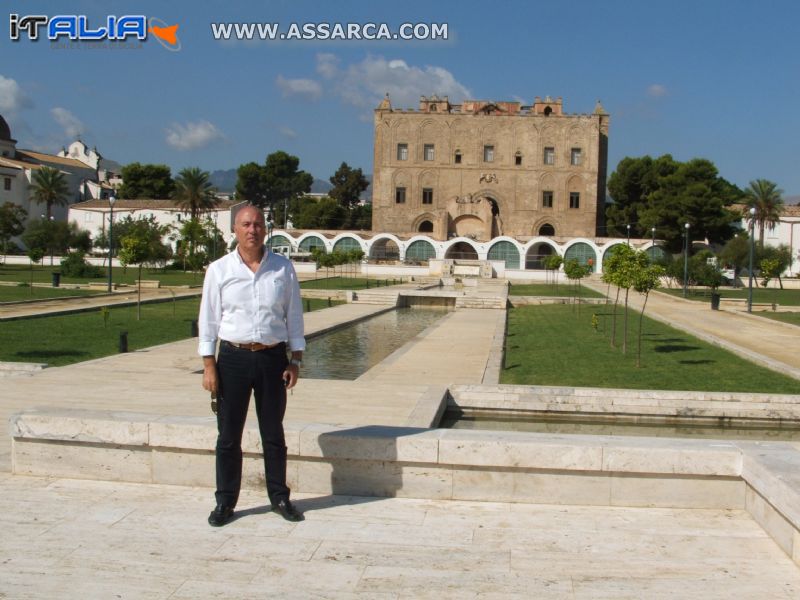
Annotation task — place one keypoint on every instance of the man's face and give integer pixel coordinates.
(250, 229)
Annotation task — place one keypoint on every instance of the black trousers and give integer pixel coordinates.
(240, 373)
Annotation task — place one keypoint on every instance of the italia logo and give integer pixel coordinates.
(79, 28)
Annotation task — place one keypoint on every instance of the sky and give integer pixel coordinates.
(717, 79)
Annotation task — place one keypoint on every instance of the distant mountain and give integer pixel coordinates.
(225, 181)
(789, 200)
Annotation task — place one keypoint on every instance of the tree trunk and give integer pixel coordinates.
(614, 321)
(625, 325)
(639, 346)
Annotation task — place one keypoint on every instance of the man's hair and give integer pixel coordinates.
(247, 207)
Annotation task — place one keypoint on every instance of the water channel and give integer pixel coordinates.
(350, 352)
(684, 427)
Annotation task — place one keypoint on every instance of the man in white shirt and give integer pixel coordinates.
(251, 304)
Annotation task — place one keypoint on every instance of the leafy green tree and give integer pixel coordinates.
(274, 184)
(619, 269)
(194, 192)
(324, 213)
(646, 277)
(348, 183)
(35, 255)
(136, 251)
(74, 265)
(780, 255)
(49, 187)
(12, 223)
(56, 237)
(575, 271)
(666, 194)
(360, 217)
(765, 197)
(146, 181)
(552, 264)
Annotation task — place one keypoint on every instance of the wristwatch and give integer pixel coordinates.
(296, 362)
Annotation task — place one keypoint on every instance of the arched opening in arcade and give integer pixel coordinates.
(346, 244)
(384, 250)
(505, 251)
(462, 251)
(279, 243)
(658, 255)
(583, 253)
(537, 254)
(311, 242)
(419, 252)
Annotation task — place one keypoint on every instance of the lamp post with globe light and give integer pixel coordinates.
(752, 251)
(111, 200)
(685, 258)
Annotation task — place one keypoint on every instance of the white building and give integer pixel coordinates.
(785, 232)
(86, 173)
(94, 215)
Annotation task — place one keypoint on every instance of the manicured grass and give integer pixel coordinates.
(786, 317)
(63, 340)
(548, 289)
(42, 274)
(15, 294)
(760, 295)
(552, 345)
(346, 283)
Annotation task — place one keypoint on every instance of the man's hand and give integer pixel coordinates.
(290, 375)
(210, 377)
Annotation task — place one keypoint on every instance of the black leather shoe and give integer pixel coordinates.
(220, 515)
(287, 510)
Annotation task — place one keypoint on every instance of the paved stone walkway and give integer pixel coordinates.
(90, 539)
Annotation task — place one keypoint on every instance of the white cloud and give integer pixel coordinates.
(287, 132)
(304, 88)
(327, 65)
(73, 126)
(365, 84)
(657, 90)
(192, 135)
(12, 98)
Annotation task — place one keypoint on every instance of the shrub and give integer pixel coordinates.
(74, 265)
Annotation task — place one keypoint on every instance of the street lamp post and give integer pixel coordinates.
(269, 234)
(685, 258)
(215, 235)
(752, 249)
(111, 199)
(629, 233)
(50, 232)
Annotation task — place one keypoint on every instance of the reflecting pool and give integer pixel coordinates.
(350, 352)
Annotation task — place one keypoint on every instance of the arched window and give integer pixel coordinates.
(311, 242)
(507, 252)
(346, 244)
(279, 240)
(547, 229)
(384, 249)
(657, 254)
(462, 250)
(582, 252)
(425, 227)
(420, 250)
(537, 254)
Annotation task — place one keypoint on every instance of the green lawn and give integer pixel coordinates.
(548, 289)
(42, 274)
(760, 295)
(15, 294)
(552, 345)
(67, 339)
(786, 317)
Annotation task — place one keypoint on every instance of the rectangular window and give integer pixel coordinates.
(402, 151)
(88, 217)
(547, 199)
(427, 152)
(7, 183)
(575, 157)
(400, 195)
(574, 200)
(488, 154)
(458, 158)
(427, 195)
(549, 155)
(518, 159)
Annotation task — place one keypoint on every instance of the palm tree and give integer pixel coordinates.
(194, 192)
(49, 187)
(765, 197)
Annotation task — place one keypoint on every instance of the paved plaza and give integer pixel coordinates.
(96, 539)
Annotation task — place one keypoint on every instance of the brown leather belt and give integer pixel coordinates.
(252, 346)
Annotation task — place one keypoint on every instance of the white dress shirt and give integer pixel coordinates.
(241, 306)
